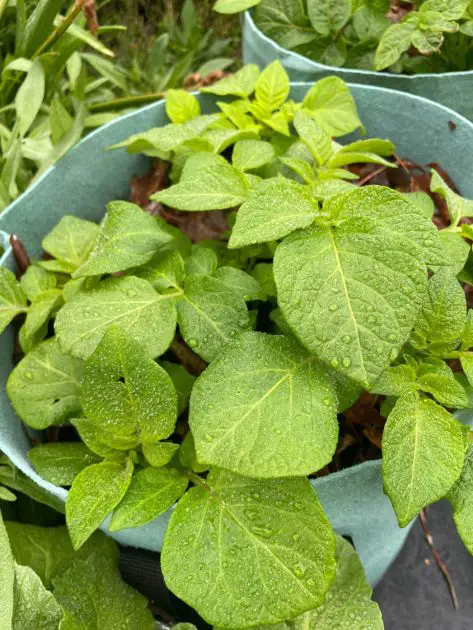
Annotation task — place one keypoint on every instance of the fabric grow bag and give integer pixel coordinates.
(452, 89)
(88, 177)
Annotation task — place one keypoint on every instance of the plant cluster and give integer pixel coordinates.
(418, 36)
(58, 79)
(316, 290)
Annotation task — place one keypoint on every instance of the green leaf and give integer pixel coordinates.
(445, 389)
(416, 429)
(461, 498)
(7, 578)
(284, 21)
(221, 139)
(94, 595)
(71, 240)
(263, 273)
(423, 201)
(301, 167)
(467, 336)
(272, 87)
(251, 154)
(229, 7)
(395, 41)
(35, 607)
(357, 157)
(60, 120)
(59, 463)
(164, 271)
(314, 136)
(128, 237)
(48, 550)
(263, 409)
(208, 182)
(16, 480)
(129, 302)
(104, 440)
(276, 207)
(456, 249)
(355, 299)
(29, 97)
(40, 311)
(151, 492)
(210, 315)
(12, 298)
(183, 383)
(331, 103)
(450, 9)
(160, 453)
(181, 106)
(442, 317)
(458, 207)
(203, 261)
(126, 391)
(7, 495)
(329, 16)
(241, 283)
(372, 145)
(39, 24)
(275, 553)
(241, 83)
(96, 491)
(35, 280)
(394, 381)
(44, 387)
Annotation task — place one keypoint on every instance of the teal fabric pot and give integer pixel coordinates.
(88, 177)
(453, 89)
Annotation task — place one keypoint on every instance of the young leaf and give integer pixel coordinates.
(128, 237)
(164, 271)
(221, 139)
(44, 387)
(183, 383)
(241, 83)
(423, 453)
(210, 315)
(12, 298)
(129, 302)
(344, 302)
(29, 97)
(160, 453)
(275, 529)
(240, 283)
(202, 261)
(329, 16)
(7, 578)
(251, 154)
(126, 391)
(93, 595)
(263, 273)
(395, 380)
(331, 104)
(312, 135)
(60, 462)
(272, 87)
(276, 207)
(208, 182)
(151, 492)
(285, 22)
(7, 495)
(181, 106)
(301, 167)
(35, 327)
(71, 240)
(35, 607)
(461, 498)
(96, 491)
(264, 408)
(102, 440)
(36, 280)
(395, 41)
(458, 207)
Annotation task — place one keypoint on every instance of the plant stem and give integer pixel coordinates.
(71, 15)
(20, 254)
(189, 359)
(126, 101)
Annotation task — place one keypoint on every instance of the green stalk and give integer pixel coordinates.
(126, 101)
(59, 30)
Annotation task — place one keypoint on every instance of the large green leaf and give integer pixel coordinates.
(71, 240)
(128, 237)
(329, 16)
(208, 182)
(94, 595)
(395, 41)
(7, 578)
(210, 315)
(284, 21)
(44, 387)
(35, 607)
(264, 408)
(274, 557)
(276, 207)
(240, 283)
(60, 462)
(12, 298)
(124, 390)
(129, 302)
(351, 291)
(151, 492)
(423, 453)
(96, 491)
(251, 154)
(461, 498)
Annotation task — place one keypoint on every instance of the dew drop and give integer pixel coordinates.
(233, 333)
(209, 437)
(296, 537)
(379, 349)
(393, 354)
(131, 293)
(29, 375)
(346, 338)
(371, 319)
(391, 337)
(193, 343)
(310, 583)
(346, 362)
(334, 363)
(299, 571)
(333, 307)
(191, 539)
(327, 401)
(262, 532)
(251, 514)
